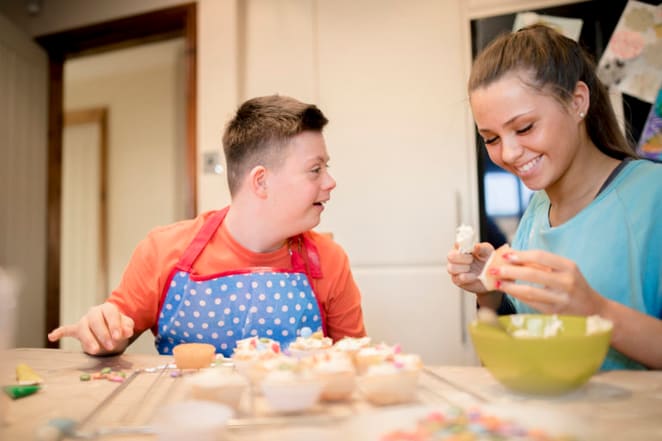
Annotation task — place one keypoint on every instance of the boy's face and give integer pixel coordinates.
(301, 185)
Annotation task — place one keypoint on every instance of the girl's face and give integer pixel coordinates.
(301, 185)
(527, 133)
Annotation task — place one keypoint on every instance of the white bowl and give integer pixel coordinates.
(217, 384)
(191, 419)
(291, 395)
(390, 388)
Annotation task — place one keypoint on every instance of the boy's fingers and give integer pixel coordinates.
(127, 326)
(113, 319)
(88, 341)
(63, 331)
(99, 327)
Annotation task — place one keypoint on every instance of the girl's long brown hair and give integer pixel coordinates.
(556, 63)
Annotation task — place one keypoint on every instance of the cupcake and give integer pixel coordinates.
(218, 385)
(465, 239)
(291, 391)
(393, 381)
(336, 371)
(309, 343)
(251, 350)
(351, 346)
(194, 355)
(370, 355)
(261, 368)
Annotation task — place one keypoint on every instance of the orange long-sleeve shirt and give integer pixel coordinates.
(144, 279)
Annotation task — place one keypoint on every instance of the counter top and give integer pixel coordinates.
(611, 405)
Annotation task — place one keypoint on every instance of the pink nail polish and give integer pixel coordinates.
(493, 271)
(497, 284)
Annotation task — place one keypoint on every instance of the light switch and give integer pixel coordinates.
(212, 163)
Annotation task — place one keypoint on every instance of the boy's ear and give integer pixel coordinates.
(258, 181)
(581, 99)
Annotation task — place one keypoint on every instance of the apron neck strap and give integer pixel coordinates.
(201, 239)
(305, 257)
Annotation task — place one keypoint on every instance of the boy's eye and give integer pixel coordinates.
(319, 168)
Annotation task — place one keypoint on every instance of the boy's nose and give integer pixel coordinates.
(329, 182)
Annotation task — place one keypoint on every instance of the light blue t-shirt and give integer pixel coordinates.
(616, 241)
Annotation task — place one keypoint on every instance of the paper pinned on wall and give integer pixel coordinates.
(570, 27)
(632, 61)
(650, 143)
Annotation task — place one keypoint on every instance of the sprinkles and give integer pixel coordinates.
(471, 425)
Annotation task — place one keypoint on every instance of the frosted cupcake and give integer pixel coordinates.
(351, 346)
(261, 368)
(393, 381)
(251, 350)
(377, 354)
(337, 372)
(309, 343)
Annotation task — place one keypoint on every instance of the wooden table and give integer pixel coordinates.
(613, 405)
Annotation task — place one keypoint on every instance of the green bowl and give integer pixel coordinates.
(541, 365)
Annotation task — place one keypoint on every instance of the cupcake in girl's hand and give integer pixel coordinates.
(309, 343)
(393, 381)
(336, 370)
(465, 239)
(252, 349)
(371, 355)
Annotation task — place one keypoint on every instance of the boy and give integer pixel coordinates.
(251, 269)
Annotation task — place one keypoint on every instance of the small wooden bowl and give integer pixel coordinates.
(194, 355)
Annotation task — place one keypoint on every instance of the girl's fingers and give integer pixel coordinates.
(530, 294)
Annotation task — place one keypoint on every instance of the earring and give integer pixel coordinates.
(581, 114)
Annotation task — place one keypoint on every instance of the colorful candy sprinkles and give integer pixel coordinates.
(457, 424)
(104, 374)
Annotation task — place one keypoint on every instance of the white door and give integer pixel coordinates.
(23, 175)
(403, 172)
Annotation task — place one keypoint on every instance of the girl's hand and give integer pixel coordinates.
(553, 285)
(465, 268)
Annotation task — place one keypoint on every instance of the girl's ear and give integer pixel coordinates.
(581, 100)
(258, 181)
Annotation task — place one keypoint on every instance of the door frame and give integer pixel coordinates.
(159, 25)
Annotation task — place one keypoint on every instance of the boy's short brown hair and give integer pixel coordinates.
(261, 129)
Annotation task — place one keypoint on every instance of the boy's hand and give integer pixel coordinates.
(464, 268)
(103, 330)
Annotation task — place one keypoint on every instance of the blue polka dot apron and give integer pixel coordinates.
(223, 308)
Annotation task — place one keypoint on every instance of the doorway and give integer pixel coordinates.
(161, 25)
